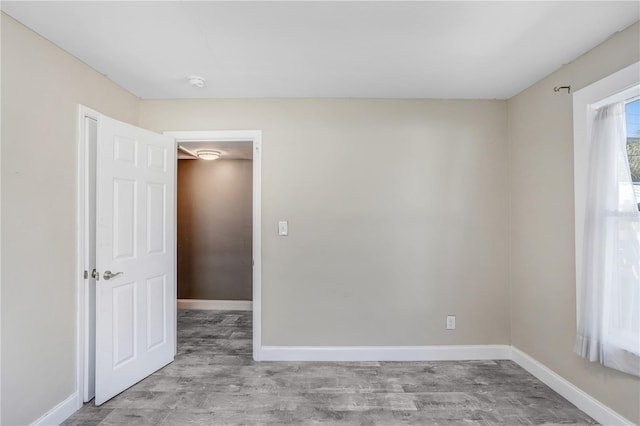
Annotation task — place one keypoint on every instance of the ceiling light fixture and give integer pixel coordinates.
(207, 154)
(196, 81)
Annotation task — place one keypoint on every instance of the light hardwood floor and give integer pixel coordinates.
(214, 381)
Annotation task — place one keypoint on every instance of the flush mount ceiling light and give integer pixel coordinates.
(207, 154)
(196, 81)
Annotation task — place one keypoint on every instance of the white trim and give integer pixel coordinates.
(0, 259)
(385, 353)
(83, 112)
(254, 136)
(60, 412)
(213, 305)
(573, 394)
(215, 136)
(613, 88)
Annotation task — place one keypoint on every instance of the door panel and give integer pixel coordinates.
(124, 323)
(135, 321)
(125, 200)
(156, 307)
(156, 220)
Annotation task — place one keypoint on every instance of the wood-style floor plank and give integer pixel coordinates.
(214, 381)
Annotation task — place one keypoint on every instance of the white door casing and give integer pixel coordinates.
(135, 310)
(89, 236)
(255, 137)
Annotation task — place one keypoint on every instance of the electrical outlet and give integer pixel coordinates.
(451, 322)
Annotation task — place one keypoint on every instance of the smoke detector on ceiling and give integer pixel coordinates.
(196, 81)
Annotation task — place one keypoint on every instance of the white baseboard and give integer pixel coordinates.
(572, 393)
(214, 305)
(384, 353)
(60, 412)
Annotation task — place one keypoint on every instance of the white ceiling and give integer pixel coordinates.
(326, 49)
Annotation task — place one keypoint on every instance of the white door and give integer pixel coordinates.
(135, 299)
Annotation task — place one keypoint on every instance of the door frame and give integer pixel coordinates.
(81, 211)
(255, 137)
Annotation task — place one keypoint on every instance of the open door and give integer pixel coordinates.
(135, 299)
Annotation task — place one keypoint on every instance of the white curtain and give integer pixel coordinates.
(609, 320)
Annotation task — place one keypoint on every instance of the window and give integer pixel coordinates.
(607, 190)
(623, 298)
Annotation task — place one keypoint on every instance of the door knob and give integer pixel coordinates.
(108, 275)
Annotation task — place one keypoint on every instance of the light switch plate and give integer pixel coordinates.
(451, 322)
(283, 228)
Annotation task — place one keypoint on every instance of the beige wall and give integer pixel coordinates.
(397, 215)
(542, 263)
(214, 215)
(41, 87)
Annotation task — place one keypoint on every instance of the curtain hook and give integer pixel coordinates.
(559, 88)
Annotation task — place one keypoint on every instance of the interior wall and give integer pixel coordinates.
(215, 229)
(397, 215)
(542, 251)
(41, 89)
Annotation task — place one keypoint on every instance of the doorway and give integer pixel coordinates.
(233, 141)
(214, 225)
(90, 126)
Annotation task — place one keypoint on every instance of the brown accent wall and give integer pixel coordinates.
(214, 229)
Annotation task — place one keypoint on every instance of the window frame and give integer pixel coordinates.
(617, 87)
